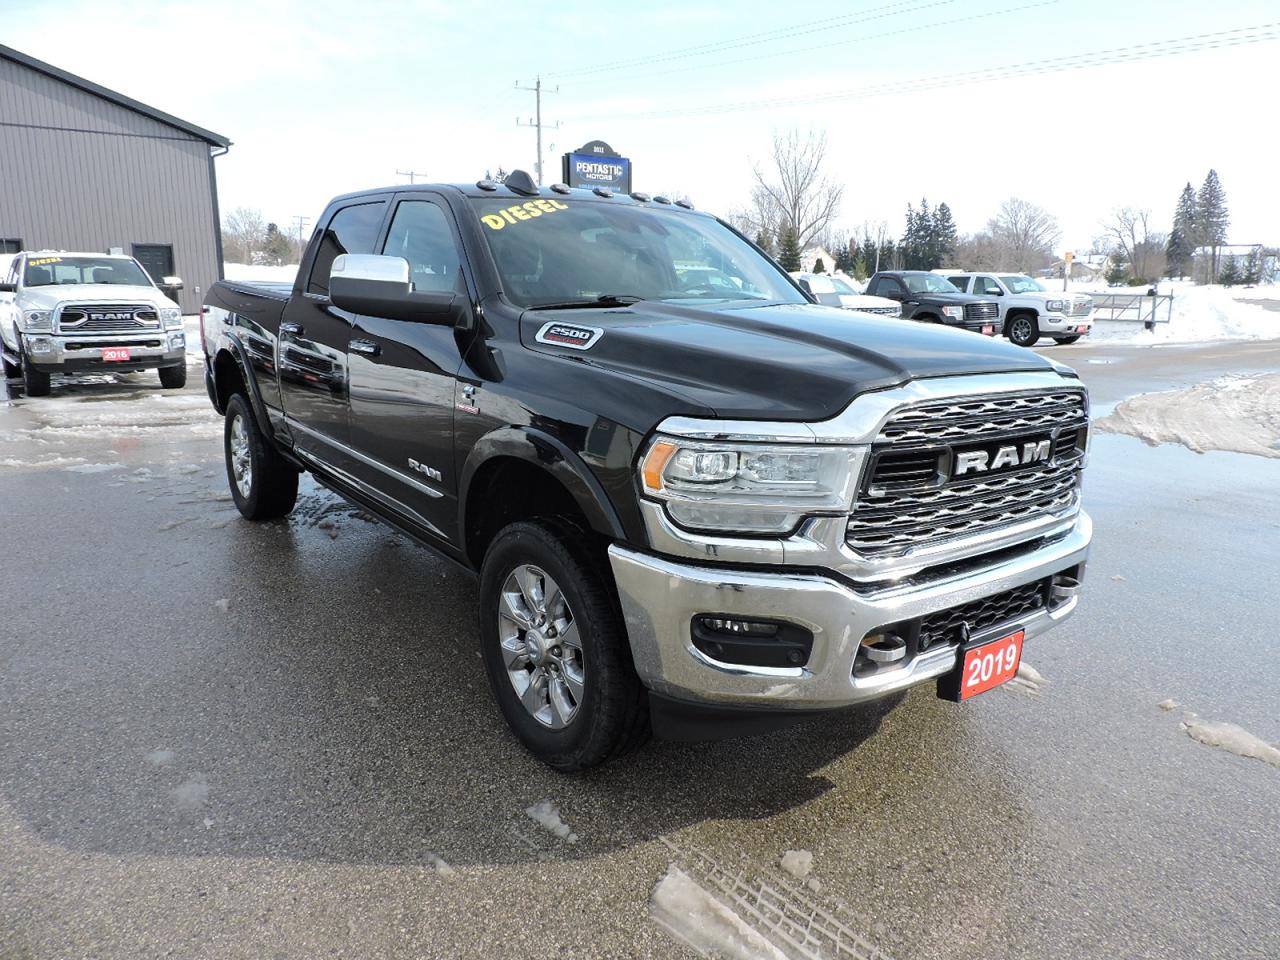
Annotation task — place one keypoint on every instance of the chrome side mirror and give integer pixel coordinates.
(377, 286)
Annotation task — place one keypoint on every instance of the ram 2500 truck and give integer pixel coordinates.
(694, 508)
(74, 312)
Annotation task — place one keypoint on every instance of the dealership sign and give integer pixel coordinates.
(596, 164)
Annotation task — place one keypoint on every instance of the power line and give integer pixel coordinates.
(1258, 33)
(752, 39)
(537, 123)
(300, 223)
(916, 28)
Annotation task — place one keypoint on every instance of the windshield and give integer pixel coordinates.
(842, 287)
(928, 283)
(48, 271)
(555, 252)
(1021, 284)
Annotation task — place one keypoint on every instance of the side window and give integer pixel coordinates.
(353, 229)
(960, 283)
(15, 271)
(986, 287)
(890, 287)
(420, 233)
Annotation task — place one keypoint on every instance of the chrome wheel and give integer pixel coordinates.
(1021, 330)
(541, 648)
(241, 460)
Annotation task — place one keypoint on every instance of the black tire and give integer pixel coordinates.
(612, 715)
(1065, 340)
(1024, 329)
(271, 485)
(34, 382)
(173, 378)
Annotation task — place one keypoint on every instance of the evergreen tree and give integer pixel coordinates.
(891, 256)
(819, 266)
(1117, 271)
(924, 252)
(946, 237)
(278, 248)
(1182, 238)
(1252, 268)
(789, 250)
(763, 241)
(909, 245)
(869, 256)
(1230, 273)
(1212, 218)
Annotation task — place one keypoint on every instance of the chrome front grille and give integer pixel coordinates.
(1081, 308)
(949, 626)
(108, 318)
(913, 498)
(982, 311)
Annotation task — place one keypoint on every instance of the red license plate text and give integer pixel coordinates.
(110, 354)
(990, 665)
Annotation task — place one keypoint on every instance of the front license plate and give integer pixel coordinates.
(983, 667)
(1082, 329)
(989, 330)
(110, 354)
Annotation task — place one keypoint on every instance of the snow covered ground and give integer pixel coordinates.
(254, 271)
(1200, 314)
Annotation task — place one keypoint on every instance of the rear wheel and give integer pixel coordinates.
(173, 378)
(263, 484)
(556, 650)
(1024, 330)
(1071, 339)
(34, 383)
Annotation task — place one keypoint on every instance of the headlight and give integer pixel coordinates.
(1056, 306)
(957, 312)
(37, 321)
(171, 317)
(746, 488)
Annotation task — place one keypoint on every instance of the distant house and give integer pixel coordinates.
(810, 256)
(1086, 266)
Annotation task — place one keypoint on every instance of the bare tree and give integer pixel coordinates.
(1025, 234)
(1129, 233)
(793, 191)
(244, 234)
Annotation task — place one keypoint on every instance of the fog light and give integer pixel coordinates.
(39, 345)
(745, 628)
(883, 647)
(177, 341)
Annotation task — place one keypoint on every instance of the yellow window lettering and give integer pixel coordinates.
(510, 218)
(532, 207)
(42, 261)
(558, 205)
(493, 221)
(520, 213)
(543, 205)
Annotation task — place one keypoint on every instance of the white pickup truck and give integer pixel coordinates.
(832, 291)
(72, 312)
(1027, 310)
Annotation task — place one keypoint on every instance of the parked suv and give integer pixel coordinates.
(1027, 310)
(933, 299)
(71, 312)
(694, 508)
(836, 292)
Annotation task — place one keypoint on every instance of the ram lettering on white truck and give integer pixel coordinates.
(1027, 310)
(73, 312)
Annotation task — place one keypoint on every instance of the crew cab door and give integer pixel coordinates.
(404, 373)
(312, 349)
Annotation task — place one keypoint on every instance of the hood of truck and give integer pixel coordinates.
(780, 361)
(48, 297)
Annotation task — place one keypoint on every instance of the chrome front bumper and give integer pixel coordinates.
(50, 352)
(660, 598)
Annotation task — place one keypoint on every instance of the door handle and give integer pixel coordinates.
(365, 347)
(292, 329)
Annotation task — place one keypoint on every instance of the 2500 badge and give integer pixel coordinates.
(569, 335)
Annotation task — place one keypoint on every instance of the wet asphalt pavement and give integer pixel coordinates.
(220, 739)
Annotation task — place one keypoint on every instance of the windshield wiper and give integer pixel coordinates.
(605, 300)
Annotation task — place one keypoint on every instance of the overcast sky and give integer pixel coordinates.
(321, 98)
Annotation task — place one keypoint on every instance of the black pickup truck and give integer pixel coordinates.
(933, 299)
(697, 503)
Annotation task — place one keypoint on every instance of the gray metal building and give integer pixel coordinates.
(85, 168)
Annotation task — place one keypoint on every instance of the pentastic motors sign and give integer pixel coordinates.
(596, 164)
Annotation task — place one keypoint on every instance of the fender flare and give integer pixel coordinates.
(551, 455)
(233, 346)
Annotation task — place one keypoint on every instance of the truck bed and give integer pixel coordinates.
(259, 300)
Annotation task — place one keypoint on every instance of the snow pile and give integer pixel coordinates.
(1232, 738)
(798, 863)
(693, 915)
(1200, 313)
(545, 815)
(285, 273)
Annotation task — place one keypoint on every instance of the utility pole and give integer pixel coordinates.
(411, 174)
(537, 123)
(301, 223)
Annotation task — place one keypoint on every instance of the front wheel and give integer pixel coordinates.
(556, 650)
(173, 378)
(1065, 340)
(1024, 330)
(263, 484)
(34, 383)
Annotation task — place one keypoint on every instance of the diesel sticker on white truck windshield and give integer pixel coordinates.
(569, 335)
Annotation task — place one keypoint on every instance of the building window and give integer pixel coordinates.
(156, 259)
(10, 245)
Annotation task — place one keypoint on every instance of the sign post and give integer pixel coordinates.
(1068, 257)
(596, 164)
